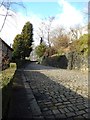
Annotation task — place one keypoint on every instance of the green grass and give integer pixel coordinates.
(7, 75)
(6, 78)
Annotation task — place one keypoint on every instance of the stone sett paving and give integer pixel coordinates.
(57, 91)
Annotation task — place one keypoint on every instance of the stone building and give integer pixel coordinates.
(5, 54)
(77, 33)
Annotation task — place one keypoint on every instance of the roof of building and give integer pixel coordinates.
(6, 44)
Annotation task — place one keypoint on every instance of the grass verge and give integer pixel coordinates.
(6, 78)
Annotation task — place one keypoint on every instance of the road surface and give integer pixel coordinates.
(49, 92)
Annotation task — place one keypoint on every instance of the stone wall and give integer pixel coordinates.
(70, 60)
(77, 61)
(5, 55)
(56, 61)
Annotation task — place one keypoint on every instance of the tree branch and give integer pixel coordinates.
(7, 5)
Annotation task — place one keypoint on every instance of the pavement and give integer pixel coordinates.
(41, 92)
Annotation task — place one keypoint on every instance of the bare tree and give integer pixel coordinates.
(48, 29)
(45, 29)
(41, 30)
(60, 39)
(8, 6)
(59, 31)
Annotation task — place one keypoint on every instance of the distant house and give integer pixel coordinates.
(77, 33)
(5, 54)
(82, 31)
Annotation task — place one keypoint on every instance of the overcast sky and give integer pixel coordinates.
(67, 13)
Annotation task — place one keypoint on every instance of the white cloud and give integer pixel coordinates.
(12, 26)
(15, 23)
(69, 17)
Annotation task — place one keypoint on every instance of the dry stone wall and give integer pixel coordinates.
(70, 60)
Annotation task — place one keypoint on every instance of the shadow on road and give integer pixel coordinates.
(54, 99)
(18, 102)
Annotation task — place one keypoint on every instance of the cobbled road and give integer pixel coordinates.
(59, 93)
